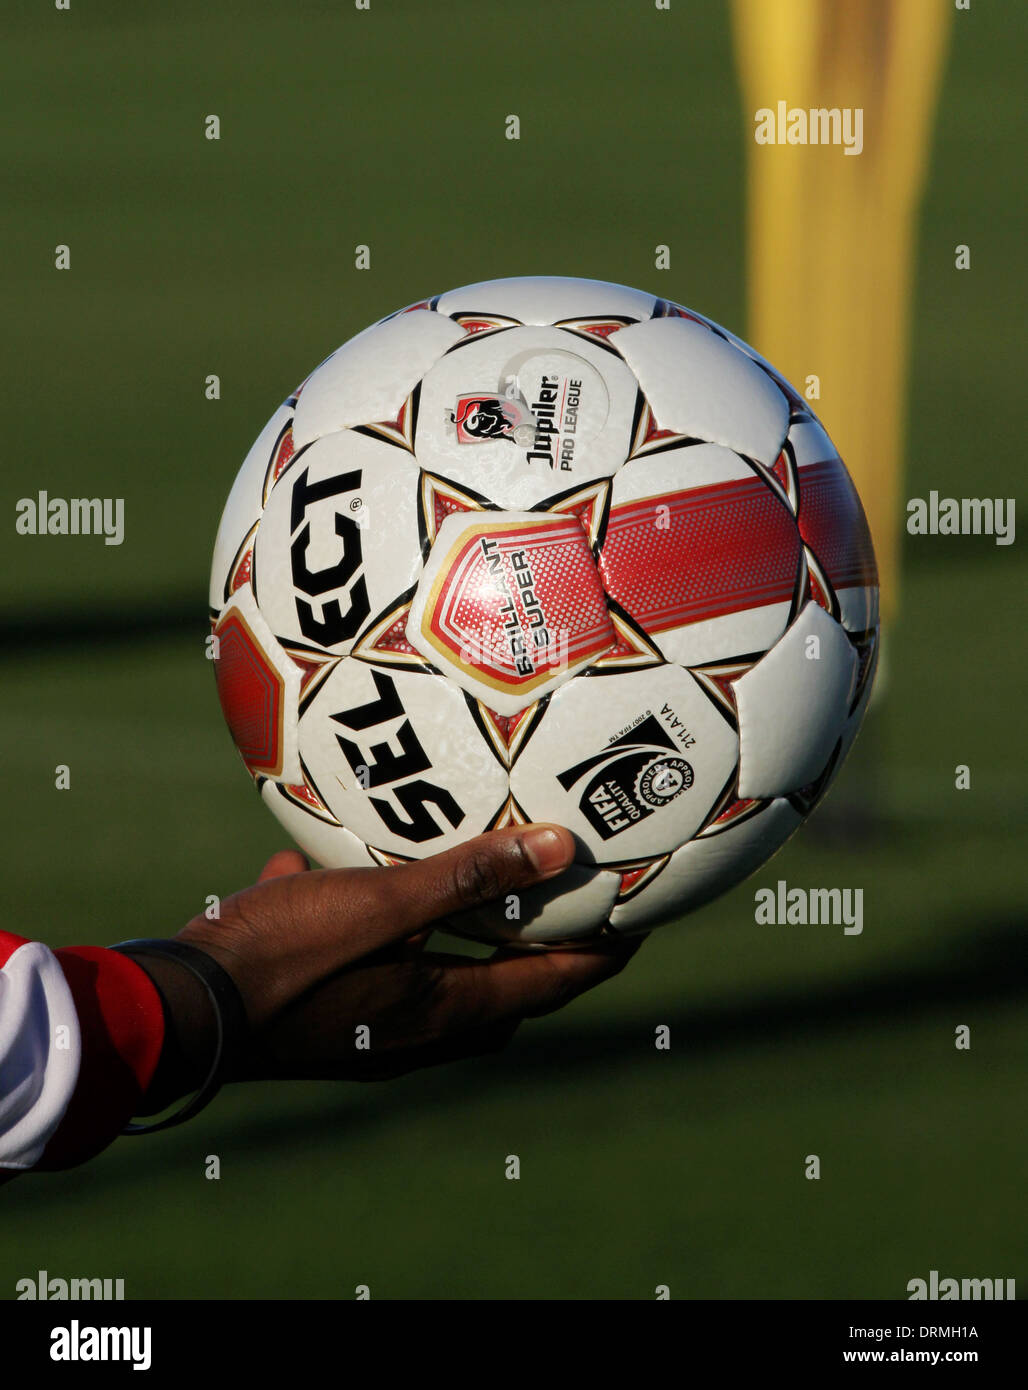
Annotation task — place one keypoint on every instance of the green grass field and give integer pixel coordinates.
(639, 1167)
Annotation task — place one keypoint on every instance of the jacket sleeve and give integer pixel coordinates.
(81, 1031)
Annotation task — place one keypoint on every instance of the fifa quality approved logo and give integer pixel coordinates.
(637, 774)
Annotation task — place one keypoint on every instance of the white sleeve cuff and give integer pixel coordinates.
(40, 1052)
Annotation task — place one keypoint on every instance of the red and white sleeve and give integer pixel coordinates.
(81, 1031)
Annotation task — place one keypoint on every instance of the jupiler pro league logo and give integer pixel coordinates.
(560, 411)
(631, 778)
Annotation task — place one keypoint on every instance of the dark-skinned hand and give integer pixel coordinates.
(316, 955)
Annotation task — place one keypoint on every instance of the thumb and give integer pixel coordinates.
(421, 891)
(296, 928)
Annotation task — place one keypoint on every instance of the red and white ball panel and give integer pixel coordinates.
(259, 690)
(369, 378)
(701, 553)
(572, 907)
(833, 525)
(704, 868)
(338, 540)
(547, 299)
(429, 778)
(632, 764)
(246, 499)
(476, 402)
(327, 844)
(510, 605)
(701, 386)
(793, 705)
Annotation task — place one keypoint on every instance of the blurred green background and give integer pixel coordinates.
(191, 257)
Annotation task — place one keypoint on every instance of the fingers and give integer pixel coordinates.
(423, 1008)
(387, 905)
(283, 862)
(483, 869)
(295, 928)
(515, 985)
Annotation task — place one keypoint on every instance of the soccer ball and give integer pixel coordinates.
(546, 550)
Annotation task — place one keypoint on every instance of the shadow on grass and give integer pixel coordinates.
(982, 968)
(58, 630)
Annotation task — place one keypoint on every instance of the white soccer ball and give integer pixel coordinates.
(546, 549)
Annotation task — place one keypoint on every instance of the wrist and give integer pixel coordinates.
(190, 1032)
(187, 1026)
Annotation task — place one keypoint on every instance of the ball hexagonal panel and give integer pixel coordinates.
(698, 384)
(398, 759)
(338, 540)
(522, 414)
(632, 764)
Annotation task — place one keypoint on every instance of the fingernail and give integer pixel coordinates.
(546, 849)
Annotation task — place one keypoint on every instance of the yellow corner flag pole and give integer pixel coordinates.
(830, 235)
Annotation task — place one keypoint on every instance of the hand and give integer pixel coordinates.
(317, 954)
